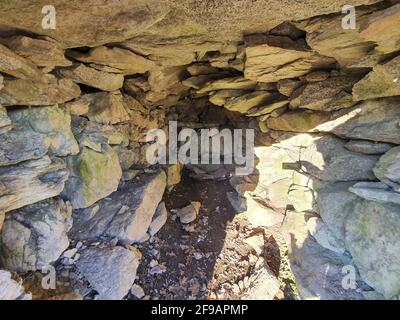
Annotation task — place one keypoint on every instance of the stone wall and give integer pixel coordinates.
(76, 103)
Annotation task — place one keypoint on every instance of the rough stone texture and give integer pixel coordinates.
(93, 23)
(121, 59)
(378, 27)
(36, 235)
(45, 53)
(31, 145)
(375, 120)
(48, 91)
(335, 204)
(16, 66)
(324, 236)
(189, 213)
(110, 271)
(250, 101)
(235, 83)
(94, 173)
(388, 167)
(159, 219)
(2, 217)
(263, 283)
(128, 213)
(368, 147)
(375, 191)
(281, 58)
(31, 181)
(104, 107)
(383, 81)
(361, 47)
(11, 287)
(328, 160)
(174, 174)
(5, 121)
(106, 81)
(328, 95)
(372, 236)
(318, 271)
(298, 121)
(52, 123)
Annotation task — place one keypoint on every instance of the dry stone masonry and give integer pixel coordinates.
(76, 102)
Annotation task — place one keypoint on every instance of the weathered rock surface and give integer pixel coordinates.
(86, 24)
(235, 83)
(106, 81)
(159, 219)
(126, 215)
(94, 173)
(5, 122)
(11, 287)
(37, 131)
(20, 144)
(368, 147)
(189, 213)
(31, 181)
(126, 61)
(281, 58)
(328, 95)
(372, 236)
(298, 121)
(388, 167)
(318, 271)
(263, 283)
(383, 81)
(110, 271)
(335, 203)
(321, 233)
(44, 53)
(363, 46)
(103, 107)
(36, 235)
(328, 160)
(374, 120)
(48, 91)
(375, 191)
(17, 66)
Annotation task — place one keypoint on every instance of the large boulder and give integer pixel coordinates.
(111, 271)
(31, 181)
(36, 235)
(373, 237)
(126, 214)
